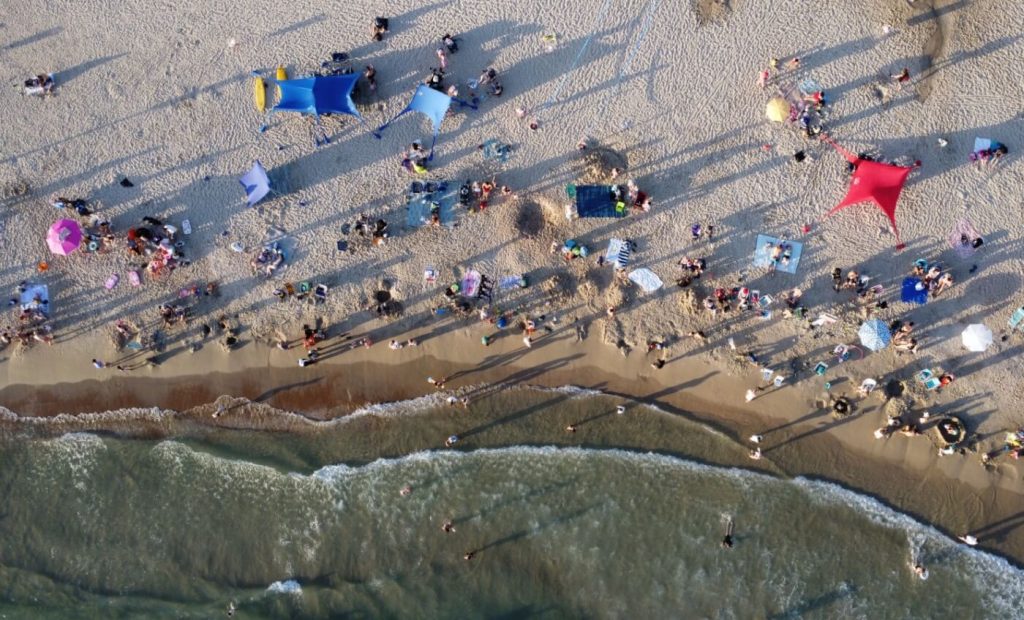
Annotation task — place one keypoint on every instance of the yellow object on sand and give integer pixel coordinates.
(282, 75)
(260, 92)
(777, 110)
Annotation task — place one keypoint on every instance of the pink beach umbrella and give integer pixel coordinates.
(64, 236)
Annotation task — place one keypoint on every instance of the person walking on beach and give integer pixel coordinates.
(98, 364)
(469, 555)
(727, 539)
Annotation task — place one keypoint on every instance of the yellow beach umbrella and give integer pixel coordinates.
(777, 110)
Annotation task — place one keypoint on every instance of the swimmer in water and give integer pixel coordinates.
(571, 428)
(469, 555)
(448, 527)
(451, 441)
(406, 490)
(727, 540)
(231, 609)
(920, 571)
(621, 409)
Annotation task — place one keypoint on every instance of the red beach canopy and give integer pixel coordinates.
(875, 182)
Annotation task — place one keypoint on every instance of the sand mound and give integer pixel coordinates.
(711, 10)
(560, 287)
(596, 165)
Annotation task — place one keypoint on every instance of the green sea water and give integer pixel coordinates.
(272, 525)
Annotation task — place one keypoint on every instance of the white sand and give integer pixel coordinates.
(156, 95)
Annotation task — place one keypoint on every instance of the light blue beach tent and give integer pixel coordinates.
(433, 103)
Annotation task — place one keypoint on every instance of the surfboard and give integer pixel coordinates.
(260, 92)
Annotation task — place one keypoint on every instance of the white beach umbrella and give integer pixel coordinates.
(976, 337)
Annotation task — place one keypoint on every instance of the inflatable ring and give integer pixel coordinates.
(841, 406)
(93, 246)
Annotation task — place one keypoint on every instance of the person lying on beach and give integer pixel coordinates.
(905, 346)
(944, 282)
(852, 280)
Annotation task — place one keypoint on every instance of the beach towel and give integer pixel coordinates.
(910, 292)
(420, 201)
(596, 201)
(496, 151)
(963, 229)
(762, 253)
(28, 299)
(646, 279)
(509, 282)
(618, 253)
(824, 319)
(470, 283)
(985, 144)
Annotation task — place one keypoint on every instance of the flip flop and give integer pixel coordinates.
(112, 281)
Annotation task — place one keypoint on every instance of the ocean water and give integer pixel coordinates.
(278, 525)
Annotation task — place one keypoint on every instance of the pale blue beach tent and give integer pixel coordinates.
(313, 96)
(430, 102)
(256, 184)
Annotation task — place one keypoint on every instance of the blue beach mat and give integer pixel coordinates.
(910, 294)
(762, 254)
(420, 197)
(596, 201)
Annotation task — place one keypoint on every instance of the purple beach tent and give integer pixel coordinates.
(431, 102)
(256, 184)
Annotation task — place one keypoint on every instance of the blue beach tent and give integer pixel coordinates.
(313, 96)
(256, 184)
(433, 103)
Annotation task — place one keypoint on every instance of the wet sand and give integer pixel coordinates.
(955, 493)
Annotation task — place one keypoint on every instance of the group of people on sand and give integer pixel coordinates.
(932, 276)
(32, 321)
(159, 244)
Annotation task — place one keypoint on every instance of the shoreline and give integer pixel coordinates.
(954, 494)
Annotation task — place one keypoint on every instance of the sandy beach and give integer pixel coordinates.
(666, 94)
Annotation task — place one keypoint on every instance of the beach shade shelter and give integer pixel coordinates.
(777, 110)
(874, 182)
(256, 183)
(976, 337)
(874, 334)
(428, 101)
(313, 96)
(64, 237)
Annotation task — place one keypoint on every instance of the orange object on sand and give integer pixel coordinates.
(43, 266)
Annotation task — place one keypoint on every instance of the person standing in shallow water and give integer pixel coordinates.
(727, 539)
